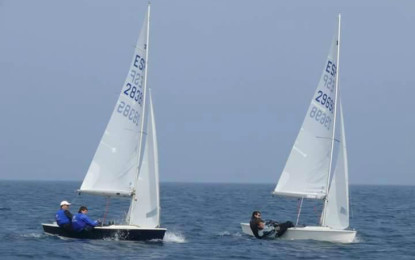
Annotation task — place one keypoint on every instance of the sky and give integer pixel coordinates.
(231, 82)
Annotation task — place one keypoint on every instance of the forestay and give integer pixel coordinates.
(307, 168)
(114, 167)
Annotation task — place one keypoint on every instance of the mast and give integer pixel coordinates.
(144, 112)
(322, 220)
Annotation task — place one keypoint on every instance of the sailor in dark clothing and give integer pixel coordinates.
(269, 229)
(255, 223)
(280, 228)
(64, 217)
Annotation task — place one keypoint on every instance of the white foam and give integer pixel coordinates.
(34, 235)
(224, 233)
(227, 233)
(357, 240)
(174, 237)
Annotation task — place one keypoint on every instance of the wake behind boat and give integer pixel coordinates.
(308, 170)
(125, 163)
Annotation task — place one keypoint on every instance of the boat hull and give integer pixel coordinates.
(312, 232)
(118, 232)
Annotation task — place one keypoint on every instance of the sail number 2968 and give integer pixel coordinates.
(320, 117)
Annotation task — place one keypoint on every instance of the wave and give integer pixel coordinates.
(227, 233)
(174, 237)
(33, 235)
(357, 239)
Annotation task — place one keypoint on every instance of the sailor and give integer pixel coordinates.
(64, 216)
(82, 222)
(269, 229)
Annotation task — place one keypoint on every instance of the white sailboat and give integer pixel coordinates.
(126, 160)
(308, 170)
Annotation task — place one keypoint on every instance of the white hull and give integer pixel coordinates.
(312, 232)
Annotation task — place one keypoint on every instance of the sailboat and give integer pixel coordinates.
(308, 173)
(125, 163)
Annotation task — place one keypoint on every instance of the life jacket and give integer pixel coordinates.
(61, 218)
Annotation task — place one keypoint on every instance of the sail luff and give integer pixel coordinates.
(334, 120)
(128, 218)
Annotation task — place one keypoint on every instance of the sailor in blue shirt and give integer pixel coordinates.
(81, 221)
(63, 216)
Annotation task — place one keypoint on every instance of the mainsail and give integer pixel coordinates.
(307, 168)
(114, 168)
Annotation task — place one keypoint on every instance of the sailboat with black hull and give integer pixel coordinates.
(309, 171)
(125, 163)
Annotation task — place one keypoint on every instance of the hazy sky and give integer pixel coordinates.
(231, 83)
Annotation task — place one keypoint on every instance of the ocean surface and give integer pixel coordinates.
(203, 222)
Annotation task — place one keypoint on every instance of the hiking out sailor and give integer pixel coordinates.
(81, 221)
(269, 229)
(64, 216)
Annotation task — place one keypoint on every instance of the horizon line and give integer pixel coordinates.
(204, 182)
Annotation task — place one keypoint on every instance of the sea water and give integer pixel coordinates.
(203, 222)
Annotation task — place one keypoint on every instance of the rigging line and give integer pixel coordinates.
(328, 138)
(75, 199)
(319, 213)
(106, 209)
(350, 204)
(299, 206)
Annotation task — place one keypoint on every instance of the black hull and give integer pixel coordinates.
(108, 233)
